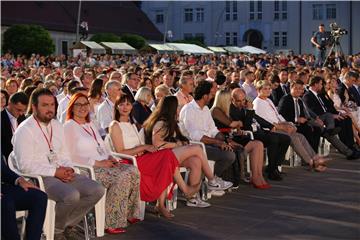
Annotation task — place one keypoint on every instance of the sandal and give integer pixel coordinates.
(318, 165)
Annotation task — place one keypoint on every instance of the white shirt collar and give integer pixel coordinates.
(315, 93)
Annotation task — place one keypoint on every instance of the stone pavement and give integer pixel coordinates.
(305, 206)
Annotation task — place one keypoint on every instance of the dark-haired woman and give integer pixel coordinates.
(158, 167)
(162, 130)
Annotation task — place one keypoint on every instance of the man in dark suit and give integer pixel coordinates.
(130, 84)
(292, 109)
(282, 89)
(347, 91)
(320, 103)
(17, 194)
(11, 117)
(276, 143)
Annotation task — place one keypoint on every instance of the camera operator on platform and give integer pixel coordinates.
(320, 40)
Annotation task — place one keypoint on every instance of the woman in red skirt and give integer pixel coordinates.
(158, 168)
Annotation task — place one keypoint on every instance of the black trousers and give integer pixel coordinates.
(346, 134)
(13, 199)
(276, 144)
(312, 135)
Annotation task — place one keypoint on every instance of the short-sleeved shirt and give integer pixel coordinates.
(321, 38)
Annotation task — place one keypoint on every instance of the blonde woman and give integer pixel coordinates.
(220, 113)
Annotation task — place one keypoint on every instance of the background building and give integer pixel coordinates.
(271, 25)
(60, 19)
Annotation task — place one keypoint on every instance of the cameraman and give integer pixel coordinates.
(320, 40)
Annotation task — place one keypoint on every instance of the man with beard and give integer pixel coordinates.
(39, 149)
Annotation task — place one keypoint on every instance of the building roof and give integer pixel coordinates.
(115, 17)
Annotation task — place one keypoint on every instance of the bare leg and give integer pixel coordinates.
(185, 152)
(256, 149)
(194, 164)
(161, 206)
(187, 190)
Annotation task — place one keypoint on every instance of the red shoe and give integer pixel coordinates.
(263, 186)
(115, 230)
(133, 220)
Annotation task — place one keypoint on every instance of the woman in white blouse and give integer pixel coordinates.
(121, 180)
(266, 109)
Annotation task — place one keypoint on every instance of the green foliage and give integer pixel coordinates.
(195, 40)
(28, 39)
(105, 37)
(134, 40)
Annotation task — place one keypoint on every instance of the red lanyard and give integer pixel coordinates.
(88, 132)
(49, 142)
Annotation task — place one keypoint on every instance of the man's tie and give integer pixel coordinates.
(297, 110)
(321, 103)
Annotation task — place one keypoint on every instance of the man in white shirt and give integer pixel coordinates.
(39, 149)
(105, 111)
(64, 102)
(197, 124)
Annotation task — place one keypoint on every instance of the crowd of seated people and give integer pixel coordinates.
(162, 110)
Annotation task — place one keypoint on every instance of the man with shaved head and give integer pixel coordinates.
(276, 143)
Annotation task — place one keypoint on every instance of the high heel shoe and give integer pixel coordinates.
(317, 165)
(165, 213)
(262, 186)
(115, 230)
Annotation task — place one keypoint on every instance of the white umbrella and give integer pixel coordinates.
(252, 50)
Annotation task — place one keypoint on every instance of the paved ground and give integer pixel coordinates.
(305, 206)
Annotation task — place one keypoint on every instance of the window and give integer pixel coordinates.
(317, 11)
(200, 36)
(284, 39)
(284, 10)
(276, 6)
(227, 11)
(235, 39)
(255, 12)
(276, 39)
(159, 17)
(252, 10)
(331, 11)
(188, 12)
(280, 13)
(64, 47)
(259, 9)
(231, 11)
(187, 36)
(227, 38)
(235, 14)
(200, 14)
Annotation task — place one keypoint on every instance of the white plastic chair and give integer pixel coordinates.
(49, 223)
(100, 205)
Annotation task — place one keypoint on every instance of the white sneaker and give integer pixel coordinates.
(217, 193)
(197, 202)
(219, 184)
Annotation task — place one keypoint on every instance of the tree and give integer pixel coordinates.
(134, 40)
(28, 39)
(105, 37)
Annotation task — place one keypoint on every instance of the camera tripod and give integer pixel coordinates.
(339, 54)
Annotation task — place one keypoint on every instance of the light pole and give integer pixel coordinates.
(78, 22)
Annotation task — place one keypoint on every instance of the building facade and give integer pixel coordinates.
(270, 25)
(60, 19)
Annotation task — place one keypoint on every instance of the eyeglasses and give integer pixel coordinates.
(80, 105)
